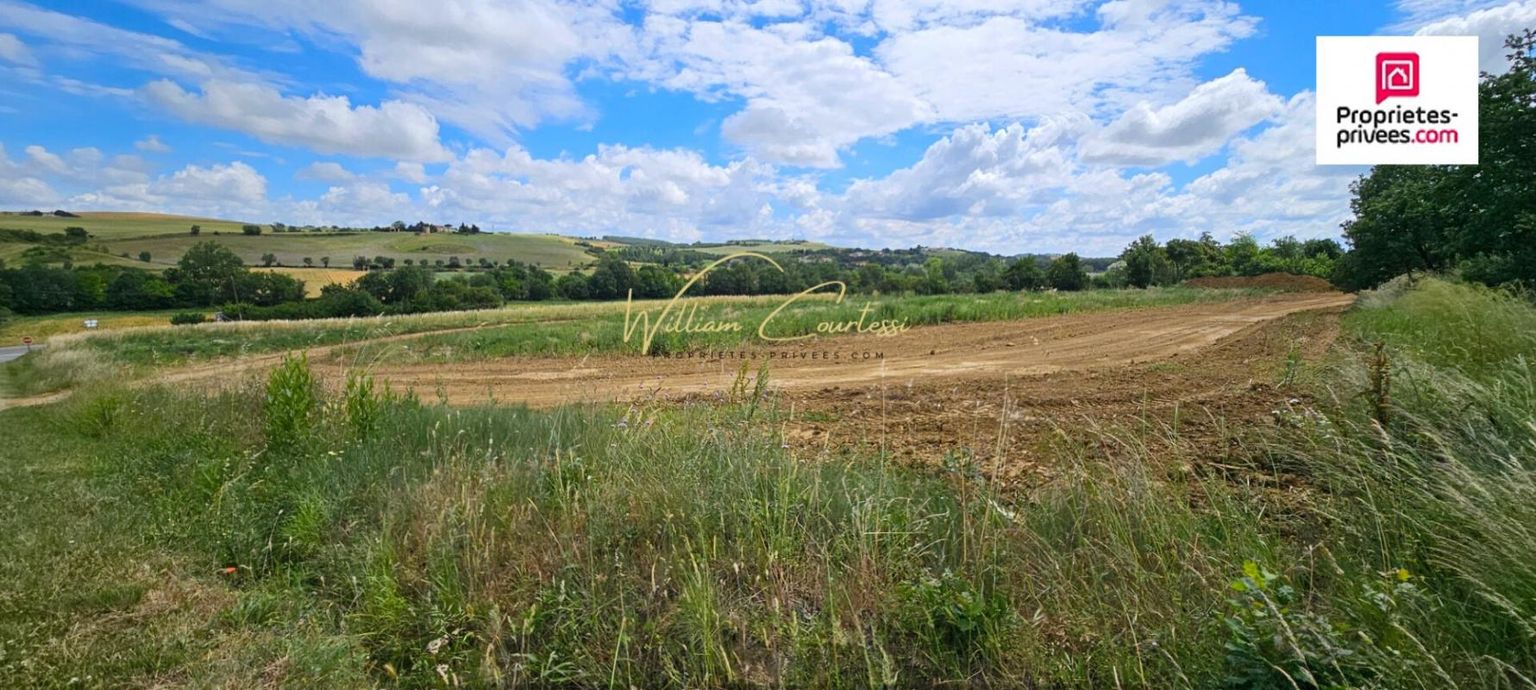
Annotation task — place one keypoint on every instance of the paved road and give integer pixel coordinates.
(9, 353)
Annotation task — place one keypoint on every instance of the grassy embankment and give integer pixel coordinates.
(374, 540)
(533, 329)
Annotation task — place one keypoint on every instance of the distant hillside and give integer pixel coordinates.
(127, 238)
(119, 237)
(115, 224)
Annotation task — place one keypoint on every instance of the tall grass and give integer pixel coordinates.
(687, 547)
(1427, 454)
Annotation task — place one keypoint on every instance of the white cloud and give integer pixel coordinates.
(906, 15)
(13, 50)
(324, 171)
(411, 172)
(151, 144)
(1007, 67)
(1271, 185)
(85, 39)
(974, 171)
(1040, 101)
(49, 162)
(1188, 130)
(1416, 13)
(807, 96)
(362, 199)
(489, 66)
(1491, 25)
(235, 183)
(20, 188)
(328, 124)
(674, 194)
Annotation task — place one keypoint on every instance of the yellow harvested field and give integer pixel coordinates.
(41, 328)
(315, 279)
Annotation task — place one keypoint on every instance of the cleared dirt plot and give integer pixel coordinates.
(922, 356)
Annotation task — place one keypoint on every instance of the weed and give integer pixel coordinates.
(291, 404)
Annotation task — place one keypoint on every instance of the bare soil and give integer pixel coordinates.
(976, 355)
(1004, 394)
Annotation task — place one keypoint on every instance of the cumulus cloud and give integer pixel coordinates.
(1138, 50)
(489, 66)
(324, 171)
(975, 171)
(235, 183)
(411, 172)
(1039, 108)
(151, 144)
(1491, 25)
(327, 124)
(46, 160)
(19, 187)
(807, 96)
(668, 193)
(1192, 128)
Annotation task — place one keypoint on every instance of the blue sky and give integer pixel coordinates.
(1007, 125)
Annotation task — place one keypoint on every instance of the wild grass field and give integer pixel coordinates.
(42, 328)
(1374, 533)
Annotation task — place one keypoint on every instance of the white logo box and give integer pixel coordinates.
(1446, 80)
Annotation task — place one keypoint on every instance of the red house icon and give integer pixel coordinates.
(1397, 75)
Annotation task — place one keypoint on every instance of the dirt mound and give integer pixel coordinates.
(1284, 282)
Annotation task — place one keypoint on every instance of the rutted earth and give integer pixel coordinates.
(968, 352)
(1002, 391)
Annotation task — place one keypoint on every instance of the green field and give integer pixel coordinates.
(291, 248)
(167, 237)
(115, 225)
(759, 247)
(12, 253)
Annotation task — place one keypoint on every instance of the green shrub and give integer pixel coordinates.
(292, 403)
(188, 318)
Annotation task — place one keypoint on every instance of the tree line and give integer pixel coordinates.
(1477, 220)
(210, 276)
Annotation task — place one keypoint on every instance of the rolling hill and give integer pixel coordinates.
(121, 237)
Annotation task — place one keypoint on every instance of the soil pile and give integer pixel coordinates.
(1284, 282)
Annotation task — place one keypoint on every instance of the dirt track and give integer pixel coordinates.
(924, 355)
